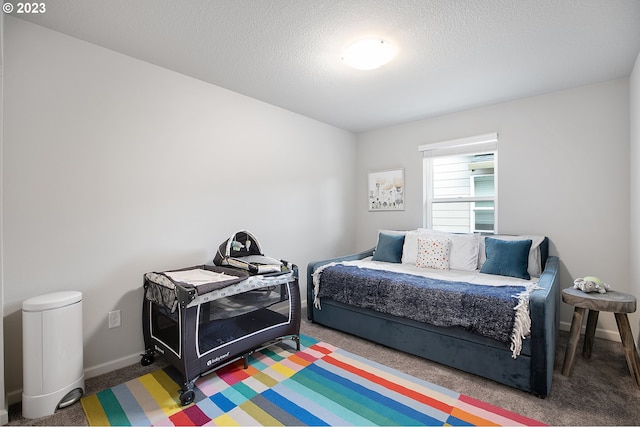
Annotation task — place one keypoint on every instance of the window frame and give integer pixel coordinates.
(481, 144)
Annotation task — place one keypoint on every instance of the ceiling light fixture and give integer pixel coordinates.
(368, 54)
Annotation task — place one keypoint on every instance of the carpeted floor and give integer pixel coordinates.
(600, 390)
(319, 385)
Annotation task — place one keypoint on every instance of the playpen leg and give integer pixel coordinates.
(187, 397)
(148, 357)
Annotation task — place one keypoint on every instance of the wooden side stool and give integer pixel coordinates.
(618, 303)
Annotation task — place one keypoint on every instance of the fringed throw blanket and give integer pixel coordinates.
(498, 312)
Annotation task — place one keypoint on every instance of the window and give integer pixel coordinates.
(460, 185)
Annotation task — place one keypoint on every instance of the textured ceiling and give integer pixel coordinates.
(452, 54)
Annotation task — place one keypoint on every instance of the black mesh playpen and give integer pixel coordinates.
(203, 317)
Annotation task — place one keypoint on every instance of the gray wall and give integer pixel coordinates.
(114, 167)
(563, 171)
(634, 195)
(4, 415)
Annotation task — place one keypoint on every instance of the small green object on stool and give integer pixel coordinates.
(590, 284)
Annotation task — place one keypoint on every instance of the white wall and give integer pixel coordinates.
(4, 415)
(114, 167)
(634, 194)
(563, 171)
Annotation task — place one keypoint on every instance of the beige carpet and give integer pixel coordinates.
(600, 390)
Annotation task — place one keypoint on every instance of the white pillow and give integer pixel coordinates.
(464, 248)
(433, 253)
(535, 259)
(410, 247)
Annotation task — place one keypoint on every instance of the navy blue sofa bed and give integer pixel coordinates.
(530, 371)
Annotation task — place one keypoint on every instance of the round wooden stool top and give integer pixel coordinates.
(611, 301)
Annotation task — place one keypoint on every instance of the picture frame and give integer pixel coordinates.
(386, 190)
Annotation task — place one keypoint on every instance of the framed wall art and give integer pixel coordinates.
(386, 190)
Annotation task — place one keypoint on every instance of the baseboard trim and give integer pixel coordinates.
(600, 333)
(4, 417)
(104, 368)
(15, 396)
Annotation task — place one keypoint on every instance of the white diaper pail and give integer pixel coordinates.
(53, 371)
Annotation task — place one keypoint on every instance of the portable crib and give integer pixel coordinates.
(203, 326)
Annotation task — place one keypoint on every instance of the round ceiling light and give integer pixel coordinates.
(368, 54)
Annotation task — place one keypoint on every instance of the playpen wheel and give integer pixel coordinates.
(147, 359)
(187, 397)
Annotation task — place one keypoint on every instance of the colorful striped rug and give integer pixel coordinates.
(319, 385)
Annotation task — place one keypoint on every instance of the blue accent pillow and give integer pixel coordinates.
(389, 248)
(507, 258)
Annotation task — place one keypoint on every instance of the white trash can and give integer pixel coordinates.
(53, 370)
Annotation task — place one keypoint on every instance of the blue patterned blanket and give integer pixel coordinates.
(489, 311)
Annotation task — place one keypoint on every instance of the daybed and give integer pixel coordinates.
(380, 295)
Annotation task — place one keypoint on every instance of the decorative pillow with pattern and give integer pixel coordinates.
(433, 253)
(463, 251)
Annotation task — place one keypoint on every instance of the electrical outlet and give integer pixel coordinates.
(114, 319)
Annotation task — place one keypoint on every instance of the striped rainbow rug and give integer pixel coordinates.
(319, 385)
